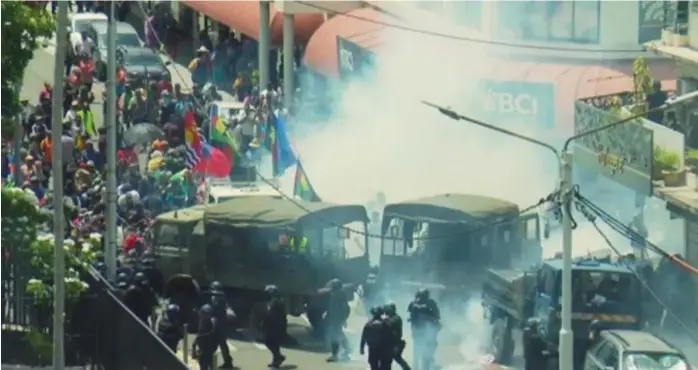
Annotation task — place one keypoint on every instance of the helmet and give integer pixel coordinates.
(272, 290)
(422, 294)
(335, 284)
(207, 309)
(101, 266)
(216, 287)
(140, 278)
(172, 310)
(376, 311)
(122, 284)
(390, 309)
(122, 277)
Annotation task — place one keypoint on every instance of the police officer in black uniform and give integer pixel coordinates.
(274, 326)
(170, 329)
(206, 341)
(221, 312)
(156, 279)
(395, 323)
(425, 319)
(122, 283)
(335, 320)
(370, 291)
(139, 298)
(378, 336)
(101, 268)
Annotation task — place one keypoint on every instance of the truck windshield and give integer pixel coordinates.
(654, 361)
(605, 286)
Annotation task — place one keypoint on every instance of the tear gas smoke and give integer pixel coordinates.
(379, 138)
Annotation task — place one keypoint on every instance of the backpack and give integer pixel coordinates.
(375, 332)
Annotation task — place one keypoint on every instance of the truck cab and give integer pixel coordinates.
(604, 292)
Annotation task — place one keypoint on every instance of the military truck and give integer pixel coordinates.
(604, 292)
(446, 242)
(249, 242)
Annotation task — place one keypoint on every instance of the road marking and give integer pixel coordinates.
(260, 346)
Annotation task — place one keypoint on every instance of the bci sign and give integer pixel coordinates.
(518, 102)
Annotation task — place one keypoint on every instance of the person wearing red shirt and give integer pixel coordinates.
(164, 85)
(87, 70)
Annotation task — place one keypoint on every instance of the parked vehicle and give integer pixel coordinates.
(631, 349)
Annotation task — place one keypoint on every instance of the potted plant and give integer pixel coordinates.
(666, 168)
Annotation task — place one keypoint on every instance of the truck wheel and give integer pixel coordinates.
(501, 341)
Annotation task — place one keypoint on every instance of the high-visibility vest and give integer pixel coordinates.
(302, 246)
(87, 120)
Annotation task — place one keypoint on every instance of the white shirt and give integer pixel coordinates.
(72, 115)
(246, 122)
(85, 46)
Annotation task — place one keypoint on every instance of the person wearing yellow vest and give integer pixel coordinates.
(88, 122)
(302, 246)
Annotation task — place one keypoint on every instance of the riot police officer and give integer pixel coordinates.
(139, 298)
(274, 326)
(122, 284)
(370, 292)
(221, 312)
(101, 268)
(206, 341)
(335, 320)
(170, 329)
(394, 322)
(378, 336)
(426, 323)
(156, 279)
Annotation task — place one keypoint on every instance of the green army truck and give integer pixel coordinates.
(251, 242)
(447, 242)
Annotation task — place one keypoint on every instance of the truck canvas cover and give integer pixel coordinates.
(273, 212)
(186, 215)
(449, 208)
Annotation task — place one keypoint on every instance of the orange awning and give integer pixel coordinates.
(355, 26)
(243, 16)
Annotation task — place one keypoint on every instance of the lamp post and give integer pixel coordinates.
(111, 126)
(566, 339)
(57, 173)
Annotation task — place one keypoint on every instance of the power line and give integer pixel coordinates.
(589, 214)
(461, 38)
(633, 235)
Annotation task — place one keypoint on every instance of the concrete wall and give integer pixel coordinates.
(693, 25)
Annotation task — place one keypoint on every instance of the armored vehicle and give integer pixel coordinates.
(606, 293)
(248, 243)
(447, 242)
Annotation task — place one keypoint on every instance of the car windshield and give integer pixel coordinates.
(141, 59)
(122, 39)
(654, 361)
(80, 25)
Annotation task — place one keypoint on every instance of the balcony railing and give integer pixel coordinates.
(675, 28)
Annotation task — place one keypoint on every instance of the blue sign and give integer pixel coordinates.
(352, 59)
(517, 102)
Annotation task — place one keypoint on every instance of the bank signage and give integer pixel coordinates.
(523, 102)
(352, 59)
(624, 153)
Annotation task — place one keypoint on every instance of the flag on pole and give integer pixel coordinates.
(221, 138)
(196, 145)
(282, 156)
(302, 187)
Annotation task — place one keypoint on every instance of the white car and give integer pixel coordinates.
(81, 22)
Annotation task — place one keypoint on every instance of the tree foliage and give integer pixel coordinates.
(23, 28)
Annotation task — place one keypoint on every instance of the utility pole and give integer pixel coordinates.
(566, 338)
(58, 203)
(110, 248)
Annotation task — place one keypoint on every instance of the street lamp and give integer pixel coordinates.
(565, 343)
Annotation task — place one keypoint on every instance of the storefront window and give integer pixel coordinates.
(563, 21)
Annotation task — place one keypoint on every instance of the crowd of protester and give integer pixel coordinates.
(153, 174)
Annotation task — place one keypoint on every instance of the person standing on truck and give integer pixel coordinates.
(274, 326)
(335, 319)
(425, 319)
(378, 336)
(395, 323)
(221, 312)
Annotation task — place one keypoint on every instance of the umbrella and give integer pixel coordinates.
(142, 133)
(216, 163)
